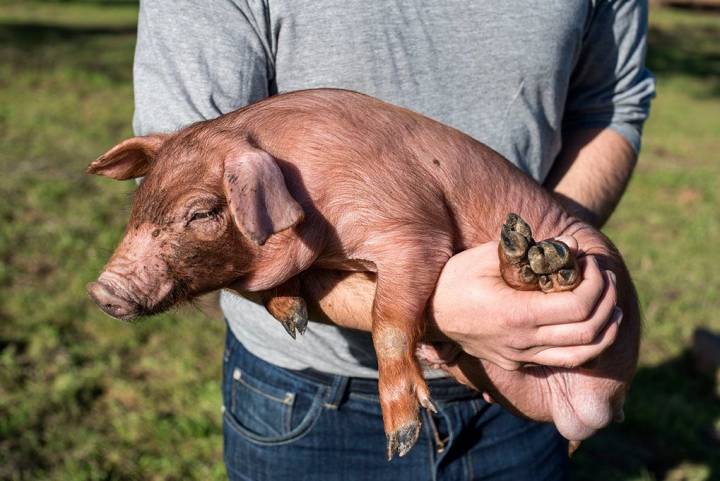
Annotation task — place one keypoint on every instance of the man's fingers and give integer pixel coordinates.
(438, 352)
(569, 241)
(571, 357)
(584, 332)
(569, 306)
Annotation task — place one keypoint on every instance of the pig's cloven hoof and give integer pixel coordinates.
(291, 311)
(402, 440)
(526, 265)
(298, 320)
(516, 237)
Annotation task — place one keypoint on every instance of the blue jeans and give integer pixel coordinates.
(305, 425)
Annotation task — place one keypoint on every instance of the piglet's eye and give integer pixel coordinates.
(203, 214)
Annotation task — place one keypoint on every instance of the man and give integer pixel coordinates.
(559, 88)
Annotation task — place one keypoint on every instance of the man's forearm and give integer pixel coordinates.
(346, 299)
(591, 173)
(342, 298)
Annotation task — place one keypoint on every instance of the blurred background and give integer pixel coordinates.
(85, 397)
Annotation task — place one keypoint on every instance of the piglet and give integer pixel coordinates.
(330, 179)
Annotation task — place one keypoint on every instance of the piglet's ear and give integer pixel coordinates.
(129, 159)
(258, 198)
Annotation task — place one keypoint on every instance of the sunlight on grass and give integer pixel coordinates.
(666, 227)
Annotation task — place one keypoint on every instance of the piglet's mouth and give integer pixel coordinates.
(124, 307)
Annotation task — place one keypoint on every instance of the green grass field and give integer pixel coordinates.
(83, 397)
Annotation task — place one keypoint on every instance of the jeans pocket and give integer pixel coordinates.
(267, 413)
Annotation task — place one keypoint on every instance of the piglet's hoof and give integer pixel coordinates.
(402, 440)
(298, 322)
(525, 265)
(554, 263)
(291, 311)
(516, 238)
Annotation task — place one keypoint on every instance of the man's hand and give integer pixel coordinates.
(474, 307)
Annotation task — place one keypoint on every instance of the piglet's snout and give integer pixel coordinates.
(111, 302)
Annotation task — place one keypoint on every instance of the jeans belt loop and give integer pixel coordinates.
(336, 392)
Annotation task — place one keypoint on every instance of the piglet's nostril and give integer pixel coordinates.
(110, 302)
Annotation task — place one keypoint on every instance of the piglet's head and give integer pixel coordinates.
(197, 222)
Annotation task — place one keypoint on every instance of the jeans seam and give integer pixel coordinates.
(467, 464)
(364, 397)
(287, 400)
(508, 434)
(431, 445)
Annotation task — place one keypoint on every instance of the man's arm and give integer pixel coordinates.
(196, 61)
(591, 173)
(607, 102)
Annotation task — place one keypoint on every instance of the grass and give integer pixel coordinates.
(83, 397)
(665, 226)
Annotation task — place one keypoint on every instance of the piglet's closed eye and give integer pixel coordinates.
(257, 195)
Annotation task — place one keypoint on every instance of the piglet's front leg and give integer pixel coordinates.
(286, 305)
(405, 280)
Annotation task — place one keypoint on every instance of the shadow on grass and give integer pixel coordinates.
(30, 34)
(686, 50)
(76, 49)
(668, 430)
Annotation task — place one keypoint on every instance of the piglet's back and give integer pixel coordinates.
(345, 149)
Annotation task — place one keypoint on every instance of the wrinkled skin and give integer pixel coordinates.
(338, 180)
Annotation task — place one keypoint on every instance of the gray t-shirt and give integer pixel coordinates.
(513, 75)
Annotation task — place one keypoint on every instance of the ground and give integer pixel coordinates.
(84, 397)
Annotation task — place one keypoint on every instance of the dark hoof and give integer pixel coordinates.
(301, 318)
(548, 257)
(567, 277)
(402, 440)
(527, 274)
(289, 325)
(516, 223)
(516, 238)
(527, 265)
(546, 283)
(295, 319)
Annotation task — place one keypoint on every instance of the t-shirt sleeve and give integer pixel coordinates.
(610, 85)
(197, 60)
